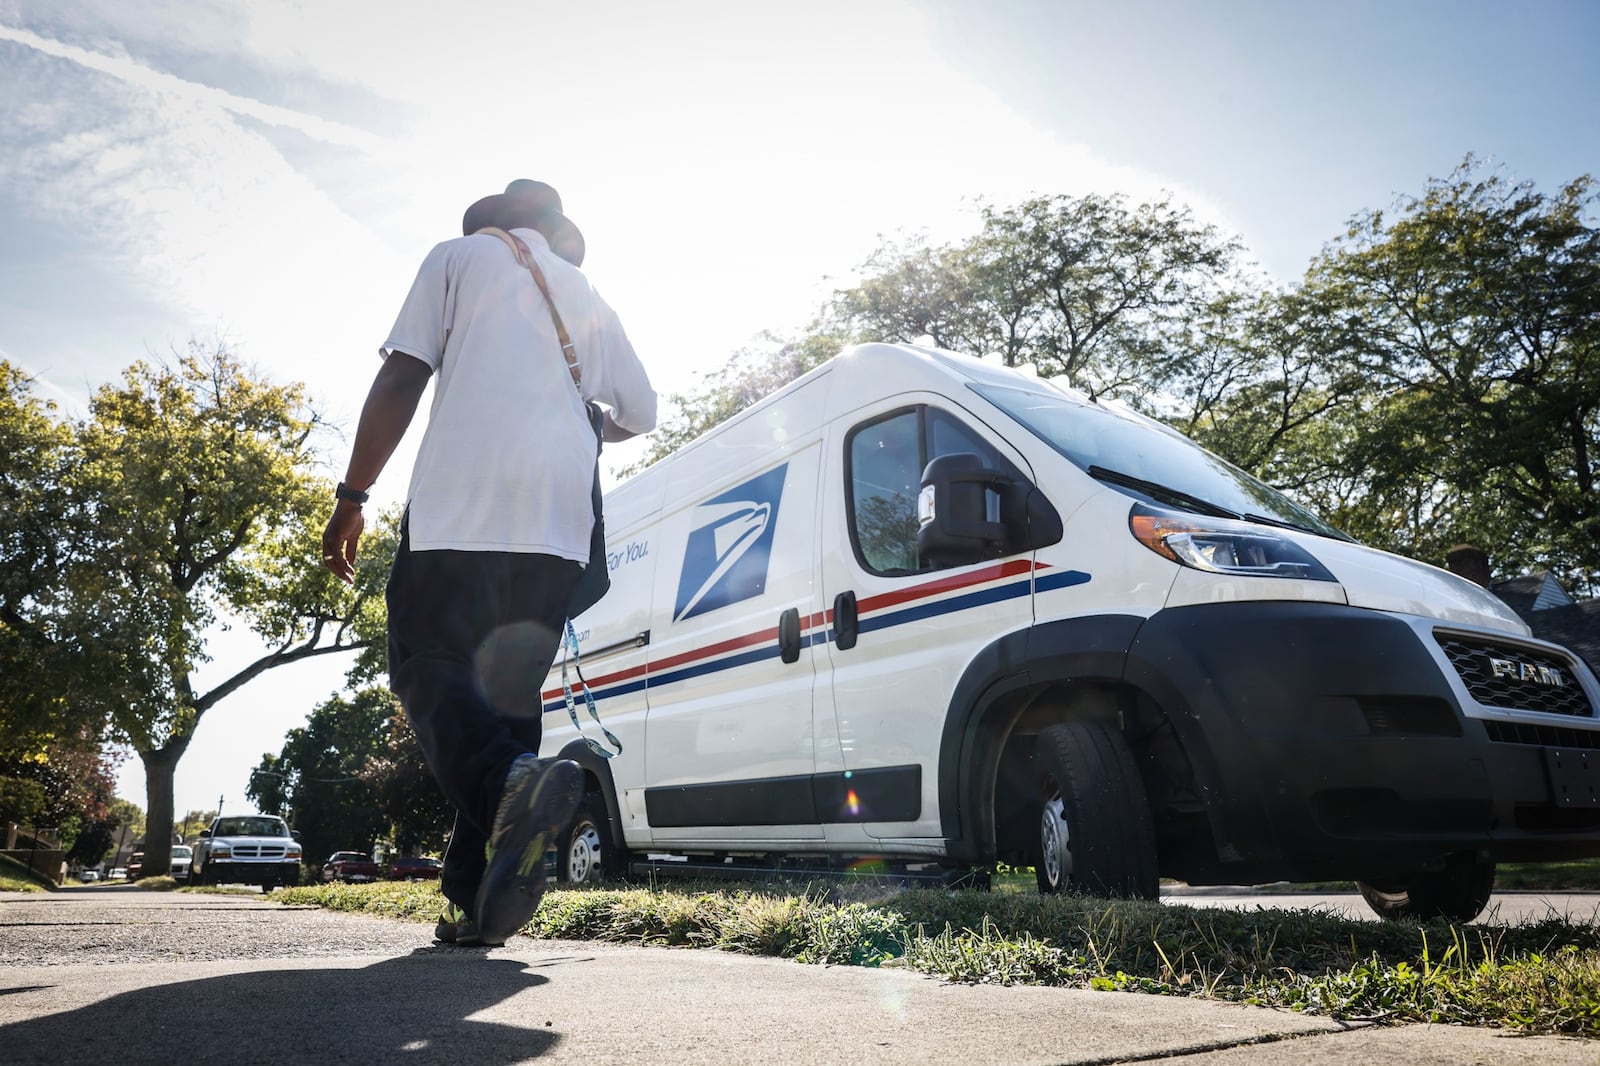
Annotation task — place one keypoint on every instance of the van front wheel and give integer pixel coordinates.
(1095, 833)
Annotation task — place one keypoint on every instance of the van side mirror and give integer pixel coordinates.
(205, 834)
(968, 512)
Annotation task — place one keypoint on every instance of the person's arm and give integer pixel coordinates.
(387, 413)
(612, 433)
(629, 393)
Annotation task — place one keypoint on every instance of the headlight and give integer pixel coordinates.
(221, 851)
(292, 851)
(1223, 546)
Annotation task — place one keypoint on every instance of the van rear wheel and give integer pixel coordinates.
(585, 854)
(1458, 893)
(1094, 830)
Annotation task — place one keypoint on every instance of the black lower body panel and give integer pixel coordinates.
(1327, 744)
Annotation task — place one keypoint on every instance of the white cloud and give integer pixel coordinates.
(176, 91)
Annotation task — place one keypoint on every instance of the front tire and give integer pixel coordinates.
(1094, 832)
(585, 854)
(1457, 893)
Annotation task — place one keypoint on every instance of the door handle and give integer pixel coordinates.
(845, 625)
(789, 635)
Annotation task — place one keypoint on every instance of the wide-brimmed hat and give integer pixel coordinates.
(528, 204)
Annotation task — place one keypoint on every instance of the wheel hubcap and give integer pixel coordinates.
(583, 856)
(1055, 842)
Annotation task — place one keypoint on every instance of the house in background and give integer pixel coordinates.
(1540, 601)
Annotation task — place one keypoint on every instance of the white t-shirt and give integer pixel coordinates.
(507, 463)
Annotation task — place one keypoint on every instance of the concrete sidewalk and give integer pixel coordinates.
(240, 980)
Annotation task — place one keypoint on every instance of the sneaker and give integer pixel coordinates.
(539, 799)
(456, 928)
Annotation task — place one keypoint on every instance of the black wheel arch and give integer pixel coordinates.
(598, 771)
(1023, 672)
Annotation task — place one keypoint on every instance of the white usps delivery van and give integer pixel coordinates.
(919, 609)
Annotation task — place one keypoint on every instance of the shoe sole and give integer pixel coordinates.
(450, 933)
(514, 882)
(464, 940)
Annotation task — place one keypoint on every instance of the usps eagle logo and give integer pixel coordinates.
(726, 558)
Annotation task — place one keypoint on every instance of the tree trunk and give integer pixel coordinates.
(159, 767)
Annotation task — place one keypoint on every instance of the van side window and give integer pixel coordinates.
(885, 475)
(885, 463)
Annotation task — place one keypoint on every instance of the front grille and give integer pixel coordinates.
(1516, 677)
(258, 851)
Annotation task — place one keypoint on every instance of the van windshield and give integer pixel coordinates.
(1151, 463)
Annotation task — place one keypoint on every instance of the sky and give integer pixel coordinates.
(270, 173)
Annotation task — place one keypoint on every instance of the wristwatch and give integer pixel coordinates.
(345, 492)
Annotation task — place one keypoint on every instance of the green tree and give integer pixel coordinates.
(127, 820)
(418, 815)
(1083, 287)
(190, 502)
(1472, 312)
(23, 801)
(43, 693)
(67, 785)
(316, 780)
(188, 827)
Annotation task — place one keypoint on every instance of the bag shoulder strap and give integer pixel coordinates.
(524, 256)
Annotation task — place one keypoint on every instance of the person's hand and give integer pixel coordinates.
(339, 540)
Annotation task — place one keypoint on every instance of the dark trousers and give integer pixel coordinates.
(471, 639)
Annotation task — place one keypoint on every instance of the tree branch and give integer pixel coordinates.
(267, 662)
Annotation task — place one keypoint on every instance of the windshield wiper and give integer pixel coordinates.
(1158, 491)
(1301, 527)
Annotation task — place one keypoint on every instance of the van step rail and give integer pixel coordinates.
(867, 870)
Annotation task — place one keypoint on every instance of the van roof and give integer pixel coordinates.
(861, 372)
(908, 365)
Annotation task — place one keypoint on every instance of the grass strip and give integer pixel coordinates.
(1537, 977)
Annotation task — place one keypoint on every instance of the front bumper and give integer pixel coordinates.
(1331, 742)
(245, 872)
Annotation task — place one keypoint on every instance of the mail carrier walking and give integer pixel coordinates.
(497, 526)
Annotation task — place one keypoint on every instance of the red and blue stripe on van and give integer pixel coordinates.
(928, 599)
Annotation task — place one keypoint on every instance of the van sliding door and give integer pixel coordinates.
(729, 747)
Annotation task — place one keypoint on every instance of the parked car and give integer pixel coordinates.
(118, 873)
(181, 855)
(136, 866)
(349, 866)
(414, 868)
(256, 849)
(86, 876)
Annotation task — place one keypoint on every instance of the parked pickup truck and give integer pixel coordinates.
(252, 850)
(349, 866)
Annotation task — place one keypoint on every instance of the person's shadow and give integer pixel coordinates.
(415, 1009)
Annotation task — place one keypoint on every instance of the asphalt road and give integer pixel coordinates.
(119, 975)
(1505, 908)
